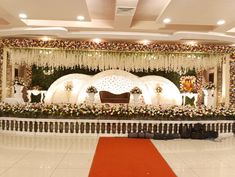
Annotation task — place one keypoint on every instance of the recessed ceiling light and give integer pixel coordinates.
(45, 38)
(96, 40)
(80, 18)
(22, 15)
(220, 22)
(167, 20)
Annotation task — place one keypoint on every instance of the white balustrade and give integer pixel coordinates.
(103, 127)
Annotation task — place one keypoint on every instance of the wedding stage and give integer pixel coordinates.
(69, 109)
(116, 93)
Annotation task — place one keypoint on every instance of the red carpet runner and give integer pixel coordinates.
(123, 157)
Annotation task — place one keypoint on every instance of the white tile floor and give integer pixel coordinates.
(56, 156)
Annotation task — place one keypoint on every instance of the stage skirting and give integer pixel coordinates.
(40, 126)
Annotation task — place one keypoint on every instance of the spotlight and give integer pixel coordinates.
(167, 20)
(22, 16)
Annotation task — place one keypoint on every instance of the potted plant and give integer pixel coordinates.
(209, 86)
(136, 92)
(209, 89)
(91, 91)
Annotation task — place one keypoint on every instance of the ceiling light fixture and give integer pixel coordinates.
(96, 40)
(22, 16)
(220, 22)
(192, 43)
(145, 42)
(45, 38)
(80, 18)
(167, 20)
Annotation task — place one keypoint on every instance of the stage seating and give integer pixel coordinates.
(108, 97)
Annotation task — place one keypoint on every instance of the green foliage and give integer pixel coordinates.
(44, 81)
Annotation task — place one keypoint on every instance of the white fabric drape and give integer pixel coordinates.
(103, 60)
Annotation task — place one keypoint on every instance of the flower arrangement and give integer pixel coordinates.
(91, 89)
(158, 89)
(209, 86)
(19, 81)
(187, 83)
(136, 90)
(68, 86)
(121, 46)
(117, 111)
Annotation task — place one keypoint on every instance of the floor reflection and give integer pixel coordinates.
(70, 156)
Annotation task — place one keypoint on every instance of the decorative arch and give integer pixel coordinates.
(115, 81)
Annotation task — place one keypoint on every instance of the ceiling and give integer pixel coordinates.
(120, 19)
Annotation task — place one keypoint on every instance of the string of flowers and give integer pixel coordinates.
(117, 46)
(106, 111)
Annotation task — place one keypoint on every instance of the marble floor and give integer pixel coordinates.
(57, 156)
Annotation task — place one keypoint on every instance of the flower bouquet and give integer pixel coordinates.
(19, 81)
(91, 89)
(209, 86)
(68, 86)
(158, 89)
(136, 90)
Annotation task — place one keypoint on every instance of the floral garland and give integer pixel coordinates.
(106, 111)
(232, 82)
(117, 46)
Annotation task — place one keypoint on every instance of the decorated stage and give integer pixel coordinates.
(76, 89)
(111, 119)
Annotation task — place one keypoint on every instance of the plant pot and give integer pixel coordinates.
(91, 97)
(136, 97)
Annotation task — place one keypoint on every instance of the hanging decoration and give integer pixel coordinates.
(117, 46)
(104, 60)
(232, 82)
